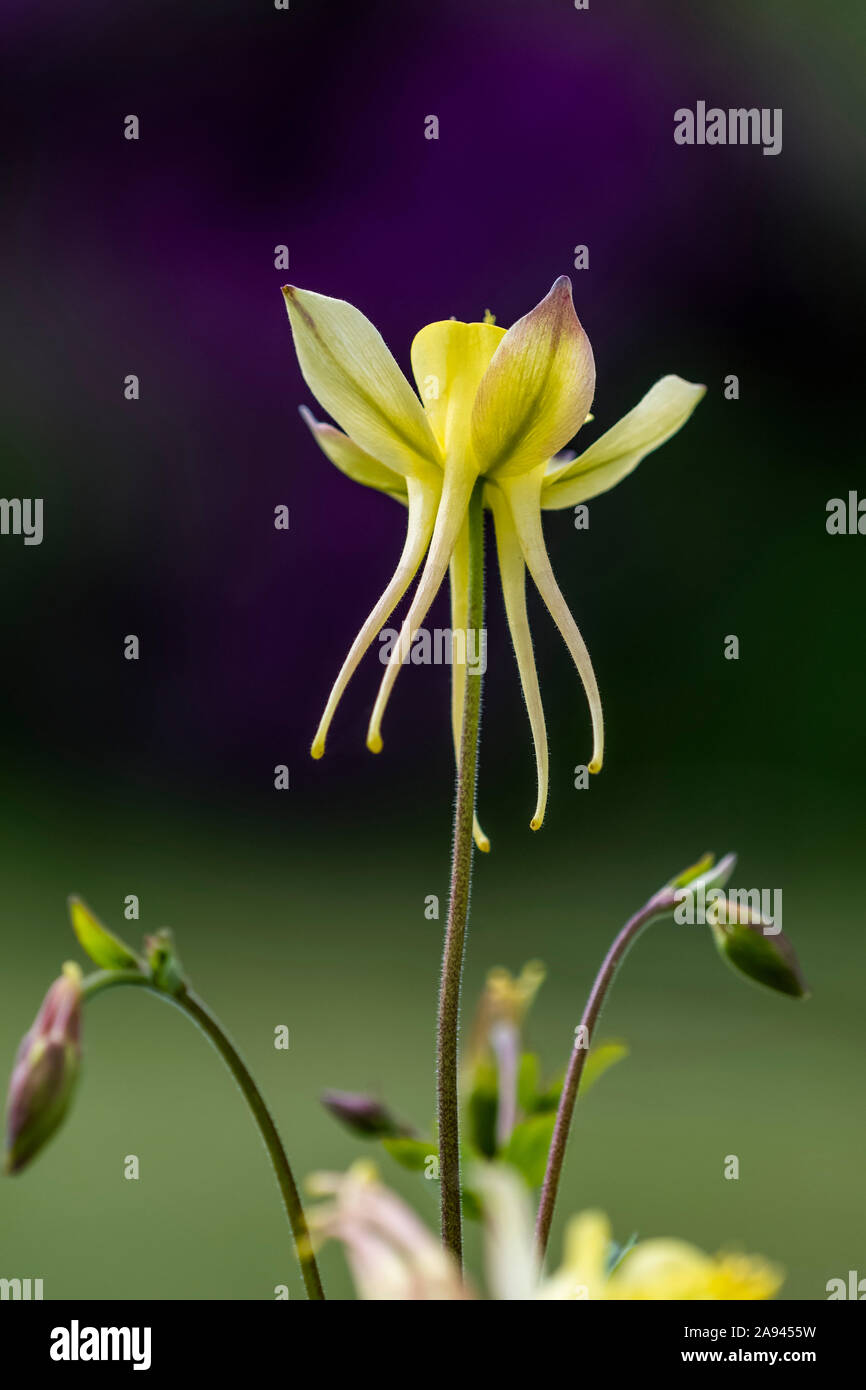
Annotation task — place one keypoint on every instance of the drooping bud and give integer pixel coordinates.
(364, 1115)
(45, 1071)
(756, 948)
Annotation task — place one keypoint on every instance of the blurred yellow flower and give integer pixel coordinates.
(505, 1001)
(653, 1269)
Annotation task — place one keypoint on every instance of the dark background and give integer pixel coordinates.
(306, 908)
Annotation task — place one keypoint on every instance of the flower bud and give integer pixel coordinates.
(45, 1071)
(166, 970)
(756, 948)
(363, 1115)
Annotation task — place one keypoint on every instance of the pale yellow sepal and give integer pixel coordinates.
(345, 454)
(663, 410)
(349, 369)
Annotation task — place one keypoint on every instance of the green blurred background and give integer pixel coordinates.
(307, 908)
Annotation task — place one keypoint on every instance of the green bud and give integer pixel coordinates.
(45, 1071)
(754, 948)
(104, 948)
(165, 968)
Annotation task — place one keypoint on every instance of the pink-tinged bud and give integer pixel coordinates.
(45, 1072)
(364, 1115)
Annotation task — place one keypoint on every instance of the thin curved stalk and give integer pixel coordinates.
(657, 905)
(194, 1008)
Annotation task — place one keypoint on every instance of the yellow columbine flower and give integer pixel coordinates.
(494, 405)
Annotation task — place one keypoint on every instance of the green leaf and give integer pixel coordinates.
(768, 960)
(528, 1146)
(548, 1098)
(601, 1057)
(471, 1204)
(103, 947)
(617, 1253)
(411, 1153)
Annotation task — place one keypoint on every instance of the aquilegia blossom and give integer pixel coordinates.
(496, 406)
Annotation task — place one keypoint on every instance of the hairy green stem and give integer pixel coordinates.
(657, 906)
(458, 910)
(194, 1008)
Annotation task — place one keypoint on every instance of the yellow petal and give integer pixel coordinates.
(448, 361)
(456, 491)
(423, 503)
(522, 495)
(512, 570)
(459, 573)
(664, 409)
(537, 390)
(346, 455)
(350, 371)
(673, 1269)
(582, 1272)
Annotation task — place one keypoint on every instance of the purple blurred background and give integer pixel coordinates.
(156, 257)
(306, 127)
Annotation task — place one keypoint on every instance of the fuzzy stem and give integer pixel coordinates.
(458, 910)
(657, 906)
(194, 1008)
